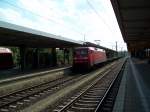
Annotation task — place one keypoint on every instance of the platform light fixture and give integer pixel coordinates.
(97, 42)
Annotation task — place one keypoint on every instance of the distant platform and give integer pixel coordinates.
(11, 74)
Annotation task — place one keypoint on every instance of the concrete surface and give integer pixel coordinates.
(134, 92)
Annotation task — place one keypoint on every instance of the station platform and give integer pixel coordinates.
(134, 91)
(13, 73)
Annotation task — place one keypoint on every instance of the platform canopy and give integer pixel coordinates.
(14, 35)
(134, 20)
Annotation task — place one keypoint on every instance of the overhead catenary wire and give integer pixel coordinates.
(48, 19)
(99, 16)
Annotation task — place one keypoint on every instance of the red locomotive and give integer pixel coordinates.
(87, 57)
(6, 60)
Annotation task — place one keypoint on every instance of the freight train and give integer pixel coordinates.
(6, 60)
(87, 57)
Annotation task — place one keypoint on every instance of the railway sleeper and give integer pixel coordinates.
(6, 100)
(4, 110)
(80, 109)
(96, 91)
(100, 88)
(96, 94)
(12, 106)
(88, 101)
(19, 103)
(92, 96)
(88, 98)
(85, 104)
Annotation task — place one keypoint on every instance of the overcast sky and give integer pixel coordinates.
(76, 19)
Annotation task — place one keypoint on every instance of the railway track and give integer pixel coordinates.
(22, 98)
(14, 84)
(91, 97)
(108, 100)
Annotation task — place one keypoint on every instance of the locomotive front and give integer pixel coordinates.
(81, 57)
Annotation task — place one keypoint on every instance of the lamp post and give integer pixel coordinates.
(97, 42)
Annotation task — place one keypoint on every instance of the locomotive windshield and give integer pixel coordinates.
(81, 52)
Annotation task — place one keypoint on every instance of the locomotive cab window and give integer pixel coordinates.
(81, 52)
(84, 52)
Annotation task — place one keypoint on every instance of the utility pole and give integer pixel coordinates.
(84, 37)
(121, 51)
(116, 46)
(116, 49)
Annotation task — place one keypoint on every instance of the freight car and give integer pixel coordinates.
(6, 60)
(87, 57)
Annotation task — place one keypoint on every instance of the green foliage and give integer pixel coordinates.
(16, 54)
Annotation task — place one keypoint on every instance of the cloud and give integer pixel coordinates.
(13, 16)
(10, 14)
(68, 18)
